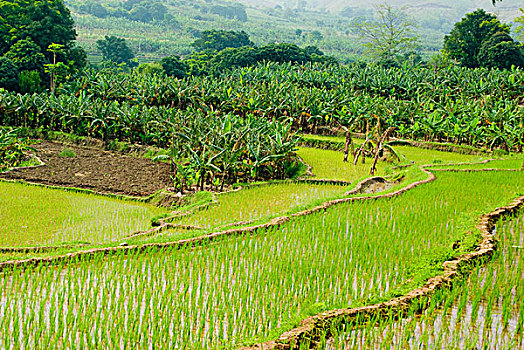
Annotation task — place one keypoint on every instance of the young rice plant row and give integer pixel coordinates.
(254, 287)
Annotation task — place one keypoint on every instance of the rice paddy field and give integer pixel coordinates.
(511, 163)
(328, 164)
(485, 311)
(243, 290)
(260, 202)
(36, 216)
(237, 290)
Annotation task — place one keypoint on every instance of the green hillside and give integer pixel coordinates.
(155, 29)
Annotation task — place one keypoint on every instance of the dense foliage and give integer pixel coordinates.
(250, 56)
(481, 40)
(8, 74)
(221, 39)
(501, 51)
(330, 25)
(226, 129)
(219, 51)
(151, 10)
(28, 29)
(476, 107)
(12, 148)
(206, 147)
(44, 21)
(115, 50)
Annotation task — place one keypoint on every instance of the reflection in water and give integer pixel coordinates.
(484, 312)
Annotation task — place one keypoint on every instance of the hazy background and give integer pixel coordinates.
(328, 24)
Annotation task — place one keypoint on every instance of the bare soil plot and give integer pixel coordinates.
(96, 170)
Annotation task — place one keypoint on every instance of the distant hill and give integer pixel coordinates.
(157, 28)
(337, 5)
(507, 10)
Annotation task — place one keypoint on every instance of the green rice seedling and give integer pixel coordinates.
(253, 287)
(475, 305)
(32, 216)
(428, 156)
(328, 164)
(261, 203)
(515, 162)
(492, 316)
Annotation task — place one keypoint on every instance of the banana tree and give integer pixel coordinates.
(12, 148)
(347, 120)
(203, 163)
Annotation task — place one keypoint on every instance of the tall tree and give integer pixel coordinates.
(26, 55)
(173, 66)
(115, 49)
(44, 22)
(500, 51)
(465, 40)
(390, 35)
(8, 74)
(48, 22)
(221, 39)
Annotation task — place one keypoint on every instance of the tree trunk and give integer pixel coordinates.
(223, 181)
(379, 147)
(360, 152)
(349, 141)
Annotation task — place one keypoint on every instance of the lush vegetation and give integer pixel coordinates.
(475, 107)
(259, 204)
(153, 34)
(115, 50)
(13, 149)
(241, 127)
(481, 40)
(34, 37)
(226, 109)
(231, 292)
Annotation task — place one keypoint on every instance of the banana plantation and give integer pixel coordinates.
(477, 107)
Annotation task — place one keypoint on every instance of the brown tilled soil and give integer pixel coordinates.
(96, 170)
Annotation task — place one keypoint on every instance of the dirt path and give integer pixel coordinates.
(96, 170)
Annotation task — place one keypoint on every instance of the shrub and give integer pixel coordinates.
(30, 82)
(67, 153)
(8, 74)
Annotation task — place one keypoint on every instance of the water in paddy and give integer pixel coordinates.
(36, 216)
(249, 287)
(484, 312)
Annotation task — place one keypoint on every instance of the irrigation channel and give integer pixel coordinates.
(288, 278)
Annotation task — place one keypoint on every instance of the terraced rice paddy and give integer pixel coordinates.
(512, 163)
(253, 287)
(427, 156)
(485, 311)
(261, 202)
(36, 216)
(242, 290)
(287, 263)
(328, 164)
